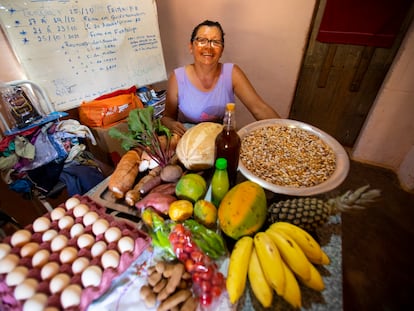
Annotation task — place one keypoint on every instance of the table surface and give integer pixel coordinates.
(123, 294)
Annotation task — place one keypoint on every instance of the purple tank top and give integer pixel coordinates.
(196, 106)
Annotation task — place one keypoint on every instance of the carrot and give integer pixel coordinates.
(125, 173)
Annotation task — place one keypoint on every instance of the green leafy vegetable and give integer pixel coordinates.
(143, 133)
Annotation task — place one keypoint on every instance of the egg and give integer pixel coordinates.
(110, 259)
(85, 240)
(49, 270)
(80, 264)
(41, 224)
(4, 250)
(98, 248)
(20, 237)
(71, 296)
(76, 230)
(91, 276)
(37, 302)
(68, 254)
(80, 210)
(89, 218)
(126, 244)
(57, 213)
(40, 258)
(100, 226)
(113, 234)
(29, 249)
(58, 243)
(59, 282)
(49, 235)
(66, 222)
(17, 276)
(71, 203)
(26, 289)
(8, 263)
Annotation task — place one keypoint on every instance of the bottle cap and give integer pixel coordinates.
(230, 106)
(221, 163)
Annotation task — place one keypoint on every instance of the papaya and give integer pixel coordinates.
(243, 210)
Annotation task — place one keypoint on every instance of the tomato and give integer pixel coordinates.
(207, 274)
(182, 256)
(197, 256)
(205, 286)
(218, 279)
(216, 291)
(200, 267)
(189, 247)
(197, 278)
(206, 299)
(189, 265)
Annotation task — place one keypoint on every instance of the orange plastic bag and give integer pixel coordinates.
(106, 111)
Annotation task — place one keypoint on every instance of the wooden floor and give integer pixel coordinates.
(378, 272)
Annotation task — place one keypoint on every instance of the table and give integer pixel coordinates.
(124, 291)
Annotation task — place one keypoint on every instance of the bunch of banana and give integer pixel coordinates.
(276, 260)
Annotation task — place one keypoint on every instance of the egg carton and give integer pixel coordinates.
(66, 258)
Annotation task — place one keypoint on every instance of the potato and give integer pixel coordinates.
(171, 173)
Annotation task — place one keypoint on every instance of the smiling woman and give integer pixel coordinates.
(199, 92)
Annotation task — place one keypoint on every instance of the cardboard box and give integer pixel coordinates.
(108, 149)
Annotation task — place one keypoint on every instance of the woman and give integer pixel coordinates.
(200, 91)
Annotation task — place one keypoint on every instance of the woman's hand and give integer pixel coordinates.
(174, 126)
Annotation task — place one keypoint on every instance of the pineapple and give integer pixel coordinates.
(310, 213)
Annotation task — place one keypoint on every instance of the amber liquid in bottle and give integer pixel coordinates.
(228, 144)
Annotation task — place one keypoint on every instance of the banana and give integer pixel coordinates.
(315, 282)
(238, 266)
(261, 288)
(292, 290)
(291, 253)
(270, 261)
(307, 243)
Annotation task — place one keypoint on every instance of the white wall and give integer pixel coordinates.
(387, 138)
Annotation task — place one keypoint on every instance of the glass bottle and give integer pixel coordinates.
(220, 182)
(228, 142)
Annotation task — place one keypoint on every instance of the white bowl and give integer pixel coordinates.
(338, 176)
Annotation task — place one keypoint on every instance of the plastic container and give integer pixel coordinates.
(220, 182)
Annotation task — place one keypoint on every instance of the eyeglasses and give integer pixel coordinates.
(213, 43)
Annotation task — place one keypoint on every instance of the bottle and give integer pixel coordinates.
(219, 182)
(228, 142)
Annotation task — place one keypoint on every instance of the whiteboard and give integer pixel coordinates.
(77, 50)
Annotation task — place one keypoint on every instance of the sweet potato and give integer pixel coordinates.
(125, 173)
(159, 201)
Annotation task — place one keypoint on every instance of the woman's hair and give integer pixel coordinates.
(207, 23)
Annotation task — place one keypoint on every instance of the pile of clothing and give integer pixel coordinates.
(40, 157)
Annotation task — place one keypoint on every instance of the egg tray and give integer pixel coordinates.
(90, 293)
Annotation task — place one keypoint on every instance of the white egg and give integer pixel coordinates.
(91, 276)
(20, 237)
(37, 302)
(57, 213)
(71, 203)
(89, 218)
(41, 224)
(40, 258)
(68, 254)
(98, 248)
(58, 243)
(80, 210)
(49, 235)
(80, 264)
(85, 240)
(59, 282)
(29, 249)
(49, 270)
(76, 230)
(126, 244)
(110, 259)
(66, 222)
(100, 226)
(8, 263)
(71, 296)
(17, 275)
(113, 234)
(4, 250)
(26, 289)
